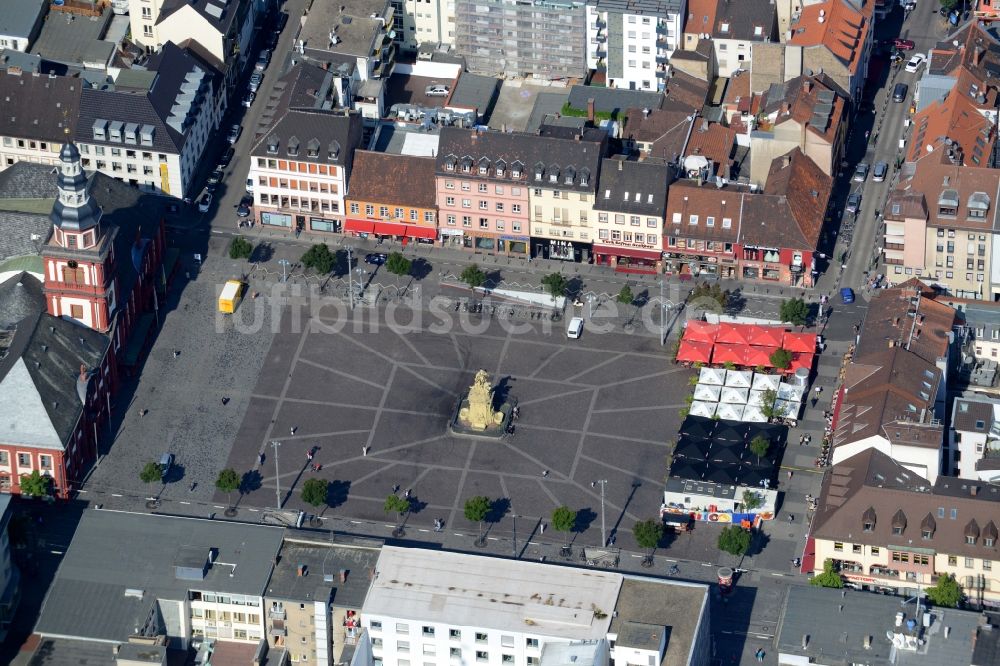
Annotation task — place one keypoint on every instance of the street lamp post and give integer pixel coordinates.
(284, 269)
(513, 515)
(590, 307)
(604, 534)
(350, 271)
(277, 477)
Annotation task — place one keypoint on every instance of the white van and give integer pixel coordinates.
(575, 328)
(250, 185)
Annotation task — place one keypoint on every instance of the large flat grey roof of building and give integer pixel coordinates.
(401, 139)
(474, 91)
(546, 104)
(324, 560)
(72, 39)
(646, 603)
(66, 652)
(17, 17)
(838, 621)
(119, 564)
(353, 27)
(642, 7)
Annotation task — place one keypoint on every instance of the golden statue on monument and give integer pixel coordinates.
(477, 412)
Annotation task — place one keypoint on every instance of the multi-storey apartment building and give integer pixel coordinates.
(222, 28)
(31, 131)
(299, 169)
(540, 38)
(513, 193)
(151, 128)
(631, 41)
(739, 28)
(425, 22)
(439, 608)
(394, 196)
(630, 208)
(182, 578)
(974, 438)
(887, 528)
(357, 35)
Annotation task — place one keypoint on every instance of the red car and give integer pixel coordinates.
(903, 44)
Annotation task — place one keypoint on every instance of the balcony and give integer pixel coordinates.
(884, 572)
(277, 628)
(277, 614)
(661, 72)
(600, 24)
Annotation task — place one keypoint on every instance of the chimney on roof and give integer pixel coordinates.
(83, 372)
(590, 110)
(621, 165)
(807, 85)
(786, 161)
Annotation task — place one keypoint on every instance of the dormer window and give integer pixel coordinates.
(100, 130)
(449, 166)
(948, 203)
(293, 147)
(971, 533)
(898, 523)
(272, 145)
(978, 205)
(333, 150)
(724, 28)
(499, 172)
(312, 148)
(584, 177)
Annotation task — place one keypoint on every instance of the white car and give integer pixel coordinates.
(575, 328)
(914, 63)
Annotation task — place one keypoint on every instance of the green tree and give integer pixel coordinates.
(795, 311)
(240, 248)
(781, 358)
(625, 296)
(759, 446)
(319, 258)
(752, 500)
(648, 534)
(35, 484)
(227, 482)
(473, 276)
(151, 473)
(729, 365)
(476, 510)
(734, 540)
(949, 4)
(712, 292)
(555, 284)
(563, 519)
(829, 578)
(397, 264)
(947, 593)
(315, 491)
(768, 398)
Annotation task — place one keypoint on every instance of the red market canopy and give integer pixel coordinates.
(799, 342)
(759, 356)
(801, 360)
(735, 334)
(766, 336)
(694, 352)
(700, 331)
(728, 354)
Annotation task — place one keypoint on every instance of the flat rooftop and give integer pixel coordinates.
(72, 39)
(451, 588)
(353, 26)
(322, 561)
(410, 89)
(646, 605)
(405, 139)
(475, 92)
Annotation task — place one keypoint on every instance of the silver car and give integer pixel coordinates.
(880, 172)
(437, 90)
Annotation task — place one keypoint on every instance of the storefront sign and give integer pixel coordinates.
(619, 243)
(450, 232)
(868, 580)
(514, 238)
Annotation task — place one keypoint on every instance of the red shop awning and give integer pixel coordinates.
(359, 226)
(631, 253)
(390, 229)
(416, 231)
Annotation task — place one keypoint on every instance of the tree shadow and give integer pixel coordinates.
(337, 493)
(498, 509)
(420, 268)
(417, 505)
(758, 543)
(493, 278)
(585, 517)
(735, 302)
(574, 286)
(262, 253)
(340, 267)
(250, 482)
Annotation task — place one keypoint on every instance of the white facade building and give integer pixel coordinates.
(427, 22)
(433, 607)
(632, 41)
(974, 438)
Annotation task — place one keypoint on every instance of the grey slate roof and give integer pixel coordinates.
(322, 129)
(75, 42)
(24, 233)
(17, 17)
(113, 552)
(744, 17)
(22, 116)
(648, 180)
(474, 91)
(562, 157)
(39, 373)
(355, 556)
(614, 99)
(642, 7)
(352, 22)
(220, 17)
(837, 622)
(20, 296)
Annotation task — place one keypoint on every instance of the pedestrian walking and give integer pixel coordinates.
(545, 474)
(364, 450)
(789, 474)
(291, 431)
(791, 518)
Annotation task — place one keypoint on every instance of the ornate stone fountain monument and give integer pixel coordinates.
(476, 417)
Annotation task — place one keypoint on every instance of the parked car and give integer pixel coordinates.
(847, 295)
(246, 203)
(249, 98)
(899, 92)
(166, 462)
(879, 174)
(264, 59)
(575, 328)
(216, 177)
(375, 258)
(255, 80)
(227, 157)
(280, 22)
(437, 90)
(914, 63)
(854, 202)
(904, 44)
(272, 40)
(234, 133)
(249, 186)
(861, 173)
(205, 202)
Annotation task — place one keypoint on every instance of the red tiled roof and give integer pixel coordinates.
(953, 119)
(842, 30)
